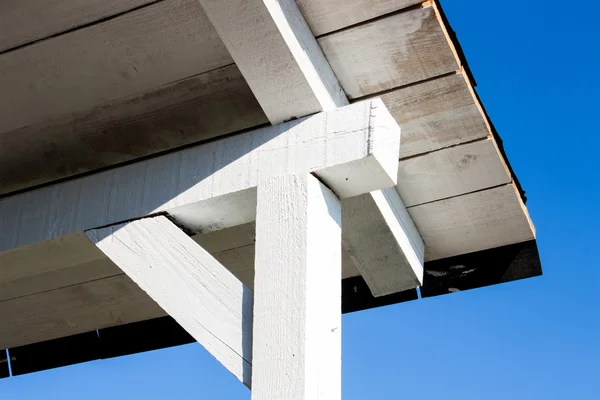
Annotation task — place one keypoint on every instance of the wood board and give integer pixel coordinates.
(22, 22)
(439, 113)
(472, 222)
(397, 50)
(133, 53)
(178, 114)
(325, 16)
(451, 172)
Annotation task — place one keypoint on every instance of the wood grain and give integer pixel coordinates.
(353, 149)
(472, 222)
(297, 290)
(185, 112)
(383, 242)
(435, 114)
(278, 55)
(324, 16)
(394, 51)
(132, 53)
(451, 172)
(23, 22)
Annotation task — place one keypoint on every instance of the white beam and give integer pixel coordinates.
(278, 55)
(297, 291)
(287, 72)
(383, 242)
(188, 283)
(353, 149)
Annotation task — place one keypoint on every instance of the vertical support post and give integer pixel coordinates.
(297, 291)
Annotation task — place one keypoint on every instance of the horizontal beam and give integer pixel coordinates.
(383, 242)
(353, 150)
(188, 283)
(278, 55)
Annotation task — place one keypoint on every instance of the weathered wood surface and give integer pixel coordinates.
(297, 291)
(383, 242)
(451, 172)
(278, 55)
(394, 51)
(133, 53)
(61, 263)
(75, 309)
(188, 283)
(436, 114)
(185, 112)
(353, 149)
(23, 22)
(324, 16)
(472, 222)
(61, 277)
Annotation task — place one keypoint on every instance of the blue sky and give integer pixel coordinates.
(536, 63)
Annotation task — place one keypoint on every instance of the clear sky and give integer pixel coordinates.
(537, 66)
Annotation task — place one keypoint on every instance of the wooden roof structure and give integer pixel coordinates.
(90, 86)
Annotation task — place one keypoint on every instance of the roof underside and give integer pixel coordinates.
(93, 84)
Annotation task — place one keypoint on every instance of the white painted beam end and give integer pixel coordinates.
(383, 242)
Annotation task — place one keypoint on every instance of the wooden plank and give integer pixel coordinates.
(383, 242)
(75, 309)
(436, 114)
(297, 289)
(324, 16)
(397, 50)
(23, 22)
(472, 222)
(451, 172)
(278, 55)
(58, 278)
(209, 302)
(133, 53)
(46, 257)
(233, 247)
(139, 125)
(353, 149)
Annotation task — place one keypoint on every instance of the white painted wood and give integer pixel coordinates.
(324, 16)
(353, 149)
(273, 47)
(74, 309)
(472, 222)
(436, 114)
(22, 22)
(394, 51)
(188, 283)
(383, 242)
(132, 53)
(297, 303)
(187, 111)
(451, 172)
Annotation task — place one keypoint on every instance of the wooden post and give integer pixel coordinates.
(297, 291)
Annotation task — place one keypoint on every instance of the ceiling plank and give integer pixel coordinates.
(324, 16)
(22, 22)
(451, 172)
(397, 50)
(133, 53)
(177, 114)
(473, 222)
